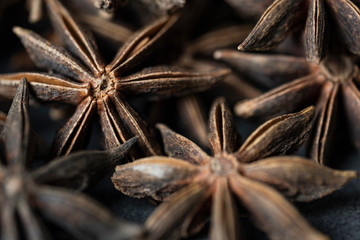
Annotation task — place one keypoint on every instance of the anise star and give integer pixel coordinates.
(284, 16)
(334, 81)
(214, 183)
(24, 193)
(249, 8)
(99, 87)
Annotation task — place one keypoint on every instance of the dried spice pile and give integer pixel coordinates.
(120, 119)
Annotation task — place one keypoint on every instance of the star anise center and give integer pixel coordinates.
(223, 164)
(104, 86)
(339, 69)
(13, 185)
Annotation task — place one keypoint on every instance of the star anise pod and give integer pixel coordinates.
(334, 81)
(24, 193)
(284, 16)
(99, 87)
(266, 70)
(246, 172)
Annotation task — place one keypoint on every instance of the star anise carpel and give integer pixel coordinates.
(96, 87)
(266, 70)
(254, 174)
(26, 193)
(284, 16)
(334, 81)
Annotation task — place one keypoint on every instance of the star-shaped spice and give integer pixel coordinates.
(333, 82)
(25, 193)
(284, 16)
(96, 87)
(214, 183)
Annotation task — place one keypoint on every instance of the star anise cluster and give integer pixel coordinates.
(103, 127)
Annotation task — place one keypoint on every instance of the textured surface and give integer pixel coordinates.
(337, 215)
